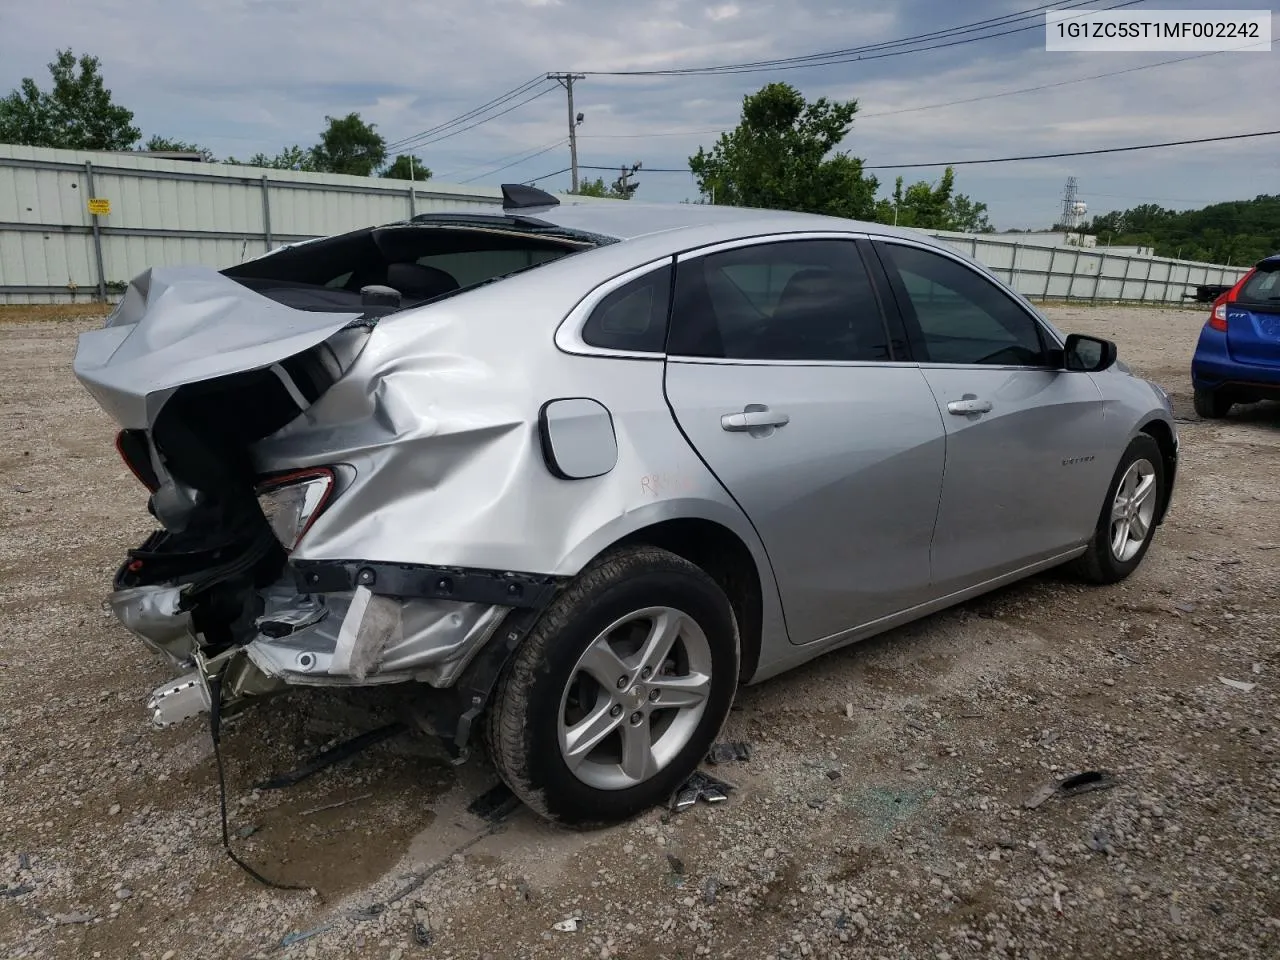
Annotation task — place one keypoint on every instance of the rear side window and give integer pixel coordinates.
(633, 317)
(786, 300)
(1262, 287)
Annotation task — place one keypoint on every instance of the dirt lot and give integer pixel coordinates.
(880, 816)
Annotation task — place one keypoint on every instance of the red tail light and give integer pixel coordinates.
(1218, 319)
(136, 454)
(1218, 316)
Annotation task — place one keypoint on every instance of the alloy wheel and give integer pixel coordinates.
(635, 698)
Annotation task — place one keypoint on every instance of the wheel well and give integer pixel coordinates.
(1162, 434)
(726, 559)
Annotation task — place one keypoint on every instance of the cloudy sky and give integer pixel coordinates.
(242, 76)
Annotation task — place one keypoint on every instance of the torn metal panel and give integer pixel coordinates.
(181, 325)
(369, 638)
(153, 613)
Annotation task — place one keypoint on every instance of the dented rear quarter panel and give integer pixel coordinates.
(438, 419)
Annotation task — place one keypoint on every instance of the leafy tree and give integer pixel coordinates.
(290, 158)
(780, 156)
(77, 114)
(403, 164)
(349, 145)
(1238, 231)
(163, 144)
(597, 188)
(933, 207)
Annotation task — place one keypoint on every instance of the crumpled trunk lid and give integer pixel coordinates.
(197, 368)
(185, 325)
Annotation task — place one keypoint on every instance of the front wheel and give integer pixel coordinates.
(1128, 519)
(617, 693)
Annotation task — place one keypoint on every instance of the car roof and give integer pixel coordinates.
(629, 219)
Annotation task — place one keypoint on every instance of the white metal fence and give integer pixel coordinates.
(169, 212)
(165, 212)
(1045, 272)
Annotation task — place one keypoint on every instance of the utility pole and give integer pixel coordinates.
(566, 80)
(621, 186)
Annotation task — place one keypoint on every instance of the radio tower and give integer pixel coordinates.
(1070, 216)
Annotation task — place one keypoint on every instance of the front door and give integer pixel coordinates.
(781, 373)
(1022, 433)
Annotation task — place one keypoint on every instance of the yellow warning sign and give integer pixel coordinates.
(99, 206)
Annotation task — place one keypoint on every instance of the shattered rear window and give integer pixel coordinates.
(422, 261)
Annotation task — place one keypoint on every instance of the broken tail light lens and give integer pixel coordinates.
(292, 502)
(136, 454)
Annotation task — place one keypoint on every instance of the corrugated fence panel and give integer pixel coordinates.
(169, 212)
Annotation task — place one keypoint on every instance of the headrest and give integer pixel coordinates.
(417, 281)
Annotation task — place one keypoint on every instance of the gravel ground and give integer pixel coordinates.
(881, 815)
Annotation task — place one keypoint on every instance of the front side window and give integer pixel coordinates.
(784, 300)
(962, 316)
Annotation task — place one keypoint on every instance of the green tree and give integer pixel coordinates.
(290, 158)
(931, 206)
(164, 144)
(1237, 231)
(349, 145)
(77, 114)
(781, 156)
(402, 166)
(597, 188)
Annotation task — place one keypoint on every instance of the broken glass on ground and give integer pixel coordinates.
(700, 786)
(1074, 785)
(730, 751)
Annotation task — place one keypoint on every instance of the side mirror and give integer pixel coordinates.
(1088, 354)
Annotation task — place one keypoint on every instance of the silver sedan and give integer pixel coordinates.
(577, 471)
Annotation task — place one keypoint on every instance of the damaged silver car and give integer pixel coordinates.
(577, 470)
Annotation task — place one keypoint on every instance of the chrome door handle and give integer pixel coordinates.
(752, 420)
(968, 405)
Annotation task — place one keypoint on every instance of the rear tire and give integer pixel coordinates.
(1212, 404)
(1127, 521)
(655, 630)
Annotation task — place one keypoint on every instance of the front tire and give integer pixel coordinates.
(1128, 519)
(1211, 404)
(619, 690)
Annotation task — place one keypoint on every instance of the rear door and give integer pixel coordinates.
(1253, 319)
(1023, 479)
(782, 373)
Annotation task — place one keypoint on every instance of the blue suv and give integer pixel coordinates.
(1238, 357)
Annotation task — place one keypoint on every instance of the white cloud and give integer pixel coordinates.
(723, 11)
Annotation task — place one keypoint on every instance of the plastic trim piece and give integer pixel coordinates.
(412, 581)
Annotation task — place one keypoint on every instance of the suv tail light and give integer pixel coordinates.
(292, 502)
(1218, 316)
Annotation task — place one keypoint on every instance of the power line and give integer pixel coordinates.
(469, 115)
(873, 51)
(1038, 156)
(513, 163)
(487, 163)
(471, 126)
(553, 173)
(931, 106)
(1076, 153)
